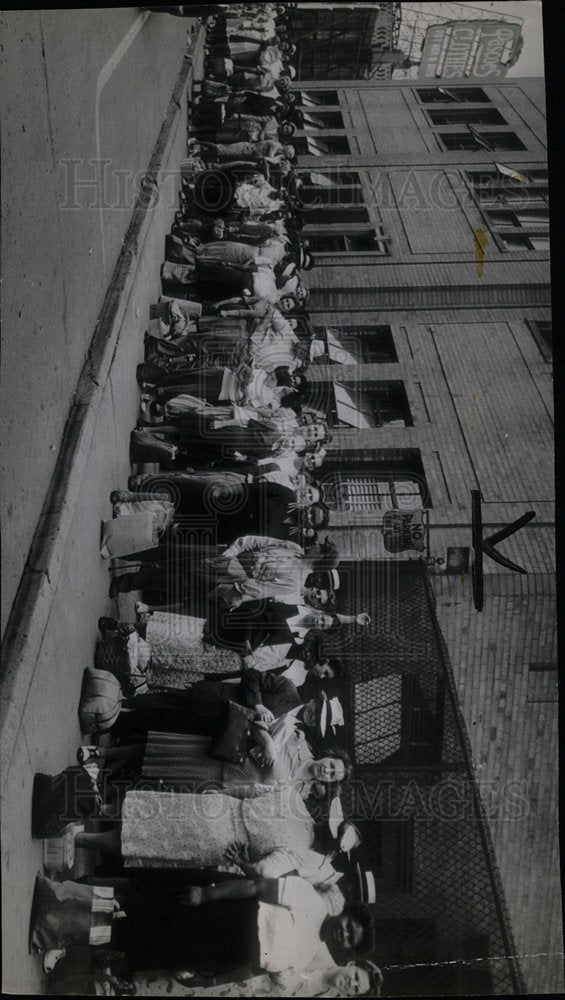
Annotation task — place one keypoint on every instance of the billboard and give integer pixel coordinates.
(459, 50)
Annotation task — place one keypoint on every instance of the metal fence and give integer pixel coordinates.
(442, 924)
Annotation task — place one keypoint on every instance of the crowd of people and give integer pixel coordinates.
(222, 777)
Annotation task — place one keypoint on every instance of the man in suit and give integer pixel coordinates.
(200, 707)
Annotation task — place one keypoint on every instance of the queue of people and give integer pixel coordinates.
(219, 779)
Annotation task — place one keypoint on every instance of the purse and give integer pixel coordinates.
(123, 653)
(60, 799)
(148, 447)
(100, 700)
(230, 744)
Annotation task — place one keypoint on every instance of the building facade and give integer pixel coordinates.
(427, 213)
(344, 43)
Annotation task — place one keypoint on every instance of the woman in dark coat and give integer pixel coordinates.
(198, 435)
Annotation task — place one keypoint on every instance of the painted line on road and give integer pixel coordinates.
(103, 78)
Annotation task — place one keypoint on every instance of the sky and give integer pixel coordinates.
(530, 62)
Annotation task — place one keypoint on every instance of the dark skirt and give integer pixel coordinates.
(181, 761)
(159, 931)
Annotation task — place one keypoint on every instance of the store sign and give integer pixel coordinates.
(404, 531)
(462, 49)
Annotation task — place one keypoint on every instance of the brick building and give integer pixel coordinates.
(428, 216)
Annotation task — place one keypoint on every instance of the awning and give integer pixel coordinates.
(336, 351)
(508, 172)
(353, 408)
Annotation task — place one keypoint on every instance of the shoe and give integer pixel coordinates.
(85, 754)
(118, 496)
(107, 624)
(51, 957)
(122, 584)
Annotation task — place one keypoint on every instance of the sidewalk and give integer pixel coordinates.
(51, 633)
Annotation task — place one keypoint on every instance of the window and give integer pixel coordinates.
(331, 187)
(394, 481)
(542, 333)
(368, 241)
(361, 404)
(322, 119)
(496, 187)
(357, 345)
(474, 140)
(316, 98)
(452, 95)
(467, 116)
(521, 241)
(397, 719)
(337, 216)
(524, 218)
(330, 145)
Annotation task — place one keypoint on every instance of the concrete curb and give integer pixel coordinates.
(38, 585)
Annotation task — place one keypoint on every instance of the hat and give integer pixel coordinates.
(365, 883)
(334, 577)
(291, 71)
(349, 837)
(331, 714)
(336, 816)
(317, 349)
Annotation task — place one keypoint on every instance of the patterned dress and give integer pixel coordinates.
(178, 655)
(170, 829)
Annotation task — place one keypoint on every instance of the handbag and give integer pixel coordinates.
(148, 447)
(63, 798)
(123, 652)
(64, 914)
(100, 700)
(230, 744)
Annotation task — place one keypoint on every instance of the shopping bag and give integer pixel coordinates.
(123, 536)
(162, 509)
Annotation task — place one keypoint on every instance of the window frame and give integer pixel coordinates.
(380, 239)
(412, 704)
(481, 141)
(300, 141)
(362, 335)
(322, 104)
(465, 116)
(339, 125)
(445, 99)
(544, 344)
(373, 395)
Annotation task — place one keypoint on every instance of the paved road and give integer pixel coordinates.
(78, 86)
(55, 279)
